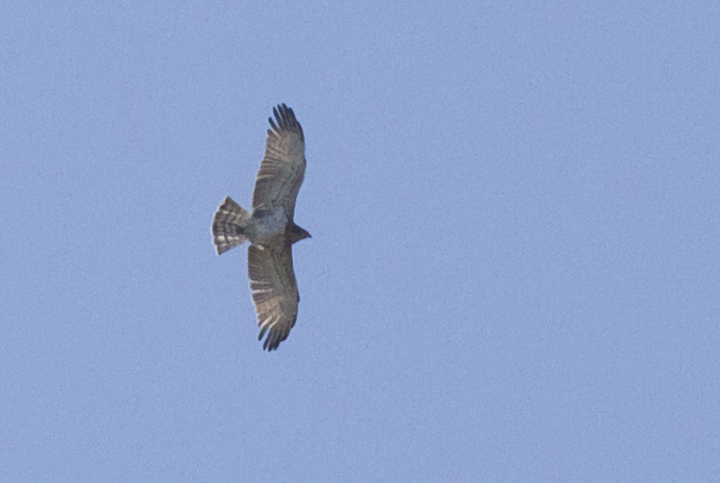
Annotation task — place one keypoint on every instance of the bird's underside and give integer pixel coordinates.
(270, 229)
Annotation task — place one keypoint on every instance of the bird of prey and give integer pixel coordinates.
(270, 228)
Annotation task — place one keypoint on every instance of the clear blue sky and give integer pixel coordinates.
(514, 273)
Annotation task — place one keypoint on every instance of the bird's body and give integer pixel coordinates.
(270, 229)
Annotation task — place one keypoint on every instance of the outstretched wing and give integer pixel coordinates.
(283, 168)
(274, 291)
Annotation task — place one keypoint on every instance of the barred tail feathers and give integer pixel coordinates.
(228, 226)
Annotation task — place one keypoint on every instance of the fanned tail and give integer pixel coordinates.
(228, 226)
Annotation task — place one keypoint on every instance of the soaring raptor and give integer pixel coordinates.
(270, 229)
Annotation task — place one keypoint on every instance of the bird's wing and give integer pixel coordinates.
(283, 168)
(274, 291)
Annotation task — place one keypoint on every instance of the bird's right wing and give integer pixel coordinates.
(274, 291)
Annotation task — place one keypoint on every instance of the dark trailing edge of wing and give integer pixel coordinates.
(285, 120)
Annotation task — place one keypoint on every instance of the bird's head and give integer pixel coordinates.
(297, 234)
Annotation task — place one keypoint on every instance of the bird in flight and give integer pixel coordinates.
(270, 228)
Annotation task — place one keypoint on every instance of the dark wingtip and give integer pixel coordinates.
(286, 119)
(272, 341)
(268, 346)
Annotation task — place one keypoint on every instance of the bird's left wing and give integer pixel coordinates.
(283, 168)
(274, 291)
